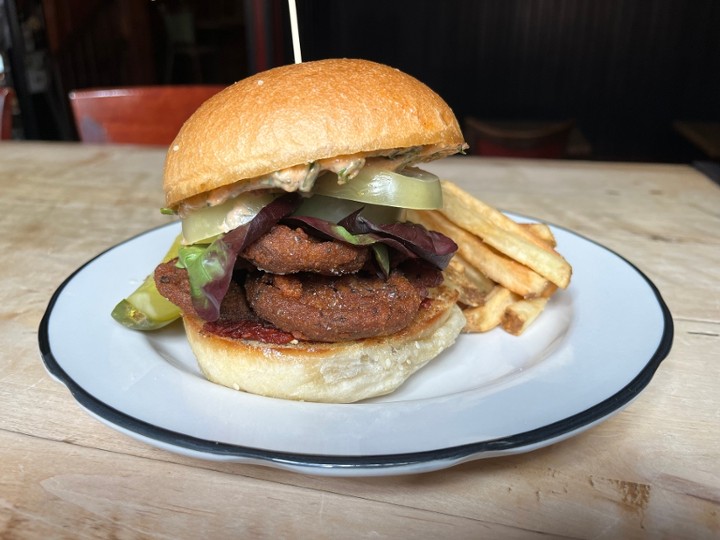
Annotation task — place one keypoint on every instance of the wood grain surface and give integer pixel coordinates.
(652, 471)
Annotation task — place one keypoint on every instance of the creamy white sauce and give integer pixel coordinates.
(302, 177)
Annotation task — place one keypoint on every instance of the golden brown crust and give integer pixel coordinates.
(301, 113)
(329, 372)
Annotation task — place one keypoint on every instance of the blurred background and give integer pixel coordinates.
(625, 80)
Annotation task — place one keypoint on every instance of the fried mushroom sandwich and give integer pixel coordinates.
(299, 277)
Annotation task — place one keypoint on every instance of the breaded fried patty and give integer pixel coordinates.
(286, 251)
(321, 308)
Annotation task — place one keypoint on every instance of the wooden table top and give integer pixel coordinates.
(651, 471)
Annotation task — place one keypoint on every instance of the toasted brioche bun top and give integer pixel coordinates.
(301, 113)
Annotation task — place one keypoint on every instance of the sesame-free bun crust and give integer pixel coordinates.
(329, 372)
(301, 113)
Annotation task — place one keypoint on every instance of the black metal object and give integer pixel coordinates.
(16, 55)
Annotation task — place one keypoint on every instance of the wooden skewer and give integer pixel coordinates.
(295, 31)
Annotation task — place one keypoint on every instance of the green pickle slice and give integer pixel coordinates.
(413, 188)
(146, 309)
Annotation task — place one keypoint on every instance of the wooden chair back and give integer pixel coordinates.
(149, 115)
(6, 98)
(518, 139)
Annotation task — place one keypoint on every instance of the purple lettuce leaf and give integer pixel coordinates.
(408, 239)
(431, 246)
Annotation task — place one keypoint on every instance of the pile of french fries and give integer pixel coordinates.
(504, 271)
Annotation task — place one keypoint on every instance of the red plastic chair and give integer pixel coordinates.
(6, 99)
(148, 115)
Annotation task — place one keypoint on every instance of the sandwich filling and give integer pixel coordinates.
(295, 271)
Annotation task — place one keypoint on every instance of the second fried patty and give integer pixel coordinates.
(286, 251)
(321, 308)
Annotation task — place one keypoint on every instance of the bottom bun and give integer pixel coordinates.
(329, 372)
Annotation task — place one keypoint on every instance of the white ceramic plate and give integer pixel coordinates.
(594, 349)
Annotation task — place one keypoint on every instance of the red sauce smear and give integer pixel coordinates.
(248, 330)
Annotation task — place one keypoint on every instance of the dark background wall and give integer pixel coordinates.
(624, 69)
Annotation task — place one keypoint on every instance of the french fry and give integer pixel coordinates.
(547, 293)
(504, 272)
(504, 235)
(472, 285)
(499, 268)
(521, 314)
(542, 231)
(490, 314)
(456, 199)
